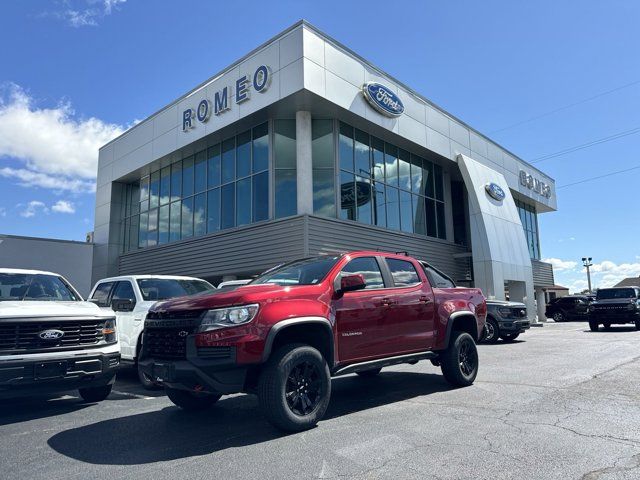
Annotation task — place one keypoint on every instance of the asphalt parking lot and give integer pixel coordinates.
(562, 402)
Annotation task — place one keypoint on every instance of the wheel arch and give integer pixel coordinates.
(314, 331)
(464, 321)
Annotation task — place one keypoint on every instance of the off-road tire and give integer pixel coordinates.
(593, 326)
(452, 363)
(191, 402)
(492, 326)
(509, 337)
(369, 373)
(637, 324)
(280, 392)
(95, 394)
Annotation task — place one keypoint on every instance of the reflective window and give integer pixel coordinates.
(260, 135)
(228, 202)
(285, 168)
(228, 160)
(186, 230)
(367, 267)
(187, 177)
(243, 202)
(152, 231)
(200, 171)
(176, 181)
(529, 220)
(260, 195)
(174, 221)
(403, 272)
(154, 190)
(324, 193)
(165, 184)
(243, 154)
(124, 291)
(101, 294)
(213, 210)
(199, 214)
(213, 166)
(163, 224)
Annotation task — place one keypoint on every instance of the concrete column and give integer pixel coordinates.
(304, 165)
(542, 301)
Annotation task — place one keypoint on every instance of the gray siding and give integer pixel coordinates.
(244, 250)
(329, 235)
(542, 274)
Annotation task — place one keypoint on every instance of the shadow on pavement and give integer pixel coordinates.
(171, 433)
(614, 329)
(18, 410)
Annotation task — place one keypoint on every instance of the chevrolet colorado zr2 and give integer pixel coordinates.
(285, 334)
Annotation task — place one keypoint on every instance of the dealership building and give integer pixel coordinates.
(302, 147)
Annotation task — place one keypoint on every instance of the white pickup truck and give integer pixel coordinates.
(51, 340)
(131, 296)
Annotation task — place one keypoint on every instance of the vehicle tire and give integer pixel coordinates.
(607, 326)
(369, 373)
(459, 362)
(192, 402)
(95, 394)
(493, 331)
(509, 337)
(294, 388)
(146, 382)
(637, 324)
(593, 326)
(558, 317)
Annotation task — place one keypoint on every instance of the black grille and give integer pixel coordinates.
(19, 337)
(215, 353)
(185, 315)
(166, 342)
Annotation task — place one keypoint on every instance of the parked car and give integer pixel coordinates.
(570, 307)
(284, 335)
(51, 340)
(505, 320)
(130, 297)
(615, 306)
(232, 284)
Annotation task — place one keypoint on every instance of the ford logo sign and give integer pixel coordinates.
(51, 335)
(383, 99)
(495, 191)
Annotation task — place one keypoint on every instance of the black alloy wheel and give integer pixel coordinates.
(558, 317)
(493, 331)
(468, 357)
(303, 389)
(459, 362)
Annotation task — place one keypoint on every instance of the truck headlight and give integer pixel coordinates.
(109, 331)
(228, 317)
(590, 308)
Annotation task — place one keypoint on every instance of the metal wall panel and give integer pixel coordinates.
(542, 273)
(244, 250)
(331, 235)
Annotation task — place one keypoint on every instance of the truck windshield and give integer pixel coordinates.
(163, 288)
(308, 271)
(30, 287)
(612, 293)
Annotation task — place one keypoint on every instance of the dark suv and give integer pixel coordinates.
(571, 307)
(615, 306)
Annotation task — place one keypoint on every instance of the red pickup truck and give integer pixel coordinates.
(284, 335)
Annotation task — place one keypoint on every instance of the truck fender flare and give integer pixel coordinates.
(284, 324)
(453, 317)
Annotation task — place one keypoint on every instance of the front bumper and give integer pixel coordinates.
(35, 374)
(514, 326)
(618, 319)
(203, 369)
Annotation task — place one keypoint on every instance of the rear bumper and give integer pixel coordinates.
(51, 373)
(196, 372)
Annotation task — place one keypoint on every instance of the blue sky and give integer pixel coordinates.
(83, 70)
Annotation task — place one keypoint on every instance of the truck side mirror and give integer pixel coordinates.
(122, 305)
(350, 283)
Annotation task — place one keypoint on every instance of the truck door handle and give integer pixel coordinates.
(425, 299)
(386, 302)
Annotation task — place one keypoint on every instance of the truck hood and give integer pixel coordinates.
(242, 295)
(502, 303)
(32, 309)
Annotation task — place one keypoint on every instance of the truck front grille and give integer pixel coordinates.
(169, 343)
(23, 336)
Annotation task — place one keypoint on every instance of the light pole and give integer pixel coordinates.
(586, 261)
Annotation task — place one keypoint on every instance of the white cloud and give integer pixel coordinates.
(32, 208)
(86, 13)
(560, 265)
(59, 151)
(63, 206)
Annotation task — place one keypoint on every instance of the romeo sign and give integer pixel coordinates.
(239, 92)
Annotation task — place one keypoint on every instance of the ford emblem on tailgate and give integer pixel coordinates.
(495, 191)
(383, 99)
(51, 335)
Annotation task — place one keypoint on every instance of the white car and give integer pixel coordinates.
(131, 297)
(232, 284)
(51, 340)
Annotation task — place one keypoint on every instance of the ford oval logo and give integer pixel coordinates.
(51, 335)
(383, 99)
(495, 191)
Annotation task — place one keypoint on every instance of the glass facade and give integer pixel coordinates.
(224, 186)
(529, 221)
(386, 186)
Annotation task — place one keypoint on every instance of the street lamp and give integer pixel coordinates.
(586, 261)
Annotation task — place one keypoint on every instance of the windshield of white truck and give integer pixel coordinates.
(34, 287)
(163, 288)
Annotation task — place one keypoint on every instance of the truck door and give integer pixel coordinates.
(411, 316)
(360, 314)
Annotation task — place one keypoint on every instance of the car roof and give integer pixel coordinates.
(28, 272)
(142, 277)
